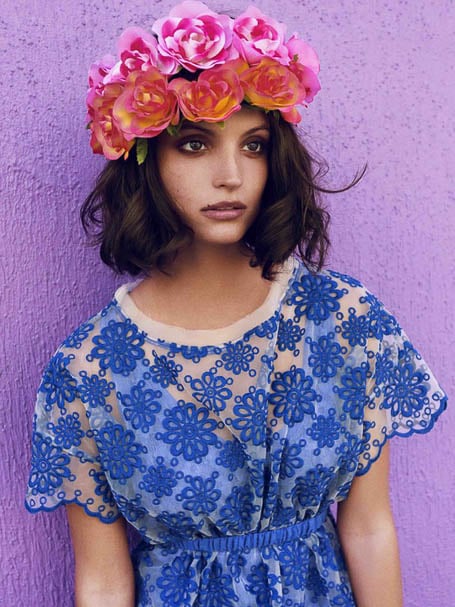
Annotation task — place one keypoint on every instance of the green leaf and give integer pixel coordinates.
(173, 129)
(222, 124)
(141, 150)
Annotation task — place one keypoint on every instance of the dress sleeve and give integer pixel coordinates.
(403, 396)
(65, 463)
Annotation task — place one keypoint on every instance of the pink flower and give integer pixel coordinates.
(106, 137)
(96, 78)
(305, 54)
(307, 79)
(273, 86)
(214, 96)
(146, 105)
(138, 49)
(195, 36)
(257, 36)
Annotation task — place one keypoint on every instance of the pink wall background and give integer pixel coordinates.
(387, 76)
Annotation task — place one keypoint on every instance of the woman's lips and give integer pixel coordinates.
(224, 210)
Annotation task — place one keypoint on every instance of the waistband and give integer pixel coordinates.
(259, 539)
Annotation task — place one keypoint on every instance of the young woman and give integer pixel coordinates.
(224, 402)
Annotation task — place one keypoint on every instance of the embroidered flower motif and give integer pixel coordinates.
(200, 496)
(236, 515)
(381, 322)
(77, 337)
(289, 460)
(141, 407)
(232, 455)
(406, 390)
(216, 587)
(262, 585)
(238, 356)
(316, 584)
(177, 526)
(119, 452)
(94, 390)
(325, 430)
(349, 452)
(326, 357)
(164, 371)
(384, 367)
(102, 487)
(251, 416)
(294, 558)
(159, 480)
(211, 390)
(316, 297)
(130, 507)
(311, 489)
(190, 431)
(236, 561)
(289, 335)
(49, 466)
(58, 385)
(177, 582)
(356, 329)
(118, 347)
(67, 431)
(293, 395)
(353, 390)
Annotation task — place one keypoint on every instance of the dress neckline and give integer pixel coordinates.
(162, 332)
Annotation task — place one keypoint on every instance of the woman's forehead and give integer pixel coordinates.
(243, 120)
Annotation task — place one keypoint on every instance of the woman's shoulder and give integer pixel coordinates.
(320, 294)
(75, 353)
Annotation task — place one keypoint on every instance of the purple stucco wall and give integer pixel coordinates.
(387, 76)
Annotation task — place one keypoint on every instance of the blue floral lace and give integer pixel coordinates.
(226, 456)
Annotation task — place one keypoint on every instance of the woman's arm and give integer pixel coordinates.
(104, 573)
(368, 538)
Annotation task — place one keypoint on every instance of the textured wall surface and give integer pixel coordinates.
(387, 77)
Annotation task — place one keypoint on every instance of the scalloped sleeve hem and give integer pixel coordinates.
(369, 460)
(33, 505)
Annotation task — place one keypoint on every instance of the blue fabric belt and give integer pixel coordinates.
(259, 539)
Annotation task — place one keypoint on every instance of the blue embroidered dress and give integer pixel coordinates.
(225, 448)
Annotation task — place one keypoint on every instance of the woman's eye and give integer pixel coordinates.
(255, 146)
(193, 145)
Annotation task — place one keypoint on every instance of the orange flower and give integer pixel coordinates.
(214, 96)
(146, 106)
(272, 86)
(106, 137)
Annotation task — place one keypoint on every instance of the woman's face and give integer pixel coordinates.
(216, 175)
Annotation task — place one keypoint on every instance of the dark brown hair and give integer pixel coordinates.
(138, 228)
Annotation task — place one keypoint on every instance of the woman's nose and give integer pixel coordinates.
(227, 171)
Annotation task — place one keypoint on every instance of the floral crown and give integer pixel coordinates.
(196, 65)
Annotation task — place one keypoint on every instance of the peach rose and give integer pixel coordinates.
(146, 106)
(106, 137)
(214, 96)
(272, 86)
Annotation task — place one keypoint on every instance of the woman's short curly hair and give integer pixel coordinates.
(132, 218)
